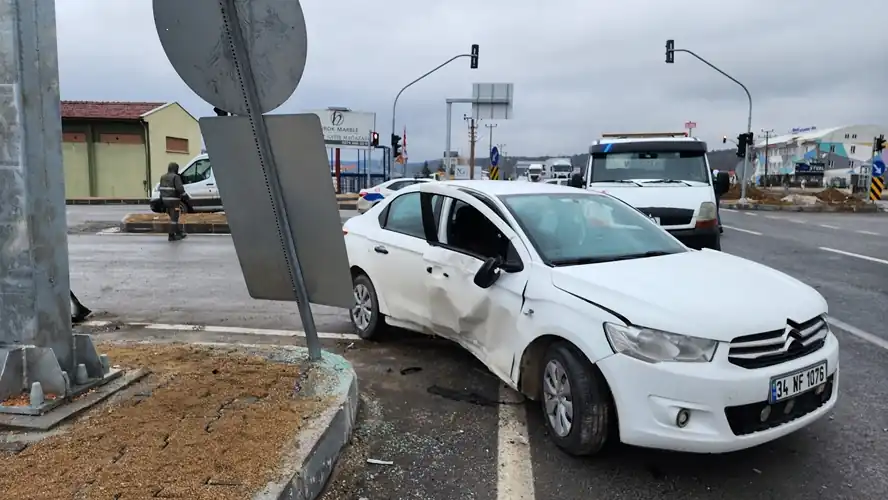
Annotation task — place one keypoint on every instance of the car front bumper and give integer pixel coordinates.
(696, 237)
(724, 401)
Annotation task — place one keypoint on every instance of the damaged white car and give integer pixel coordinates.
(586, 305)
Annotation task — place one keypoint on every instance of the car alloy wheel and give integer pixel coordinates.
(575, 400)
(558, 398)
(362, 313)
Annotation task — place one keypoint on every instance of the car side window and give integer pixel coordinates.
(196, 172)
(471, 232)
(399, 185)
(404, 214)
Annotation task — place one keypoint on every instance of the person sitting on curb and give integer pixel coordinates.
(172, 194)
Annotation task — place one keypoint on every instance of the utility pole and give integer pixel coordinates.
(490, 127)
(768, 134)
(502, 150)
(473, 138)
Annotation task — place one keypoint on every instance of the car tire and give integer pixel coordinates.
(592, 408)
(366, 304)
(185, 207)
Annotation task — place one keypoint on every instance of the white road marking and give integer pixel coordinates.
(742, 230)
(514, 469)
(797, 221)
(773, 217)
(828, 226)
(871, 233)
(235, 330)
(728, 210)
(857, 332)
(855, 255)
(751, 214)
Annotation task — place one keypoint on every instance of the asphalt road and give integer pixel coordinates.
(480, 442)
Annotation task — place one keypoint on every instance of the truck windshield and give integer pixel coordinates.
(654, 165)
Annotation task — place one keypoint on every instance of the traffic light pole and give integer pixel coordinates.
(395, 104)
(748, 120)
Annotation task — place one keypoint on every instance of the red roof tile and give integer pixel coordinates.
(107, 110)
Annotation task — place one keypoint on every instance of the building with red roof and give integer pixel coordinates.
(120, 149)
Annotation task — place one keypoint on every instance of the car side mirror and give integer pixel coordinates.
(576, 180)
(722, 183)
(488, 273)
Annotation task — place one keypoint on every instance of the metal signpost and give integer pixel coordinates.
(247, 57)
(39, 353)
(491, 101)
(494, 163)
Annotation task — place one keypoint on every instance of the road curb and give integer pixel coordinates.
(319, 444)
(762, 207)
(163, 227)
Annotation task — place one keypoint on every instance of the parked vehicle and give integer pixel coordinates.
(666, 176)
(200, 184)
(589, 307)
(371, 196)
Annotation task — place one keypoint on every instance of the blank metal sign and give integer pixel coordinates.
(312, 209)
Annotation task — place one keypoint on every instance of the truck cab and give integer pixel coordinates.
(535, 172)
(664, 175)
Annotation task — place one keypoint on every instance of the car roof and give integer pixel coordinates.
(501, 188)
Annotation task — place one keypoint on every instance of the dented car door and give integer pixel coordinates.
(483, 320)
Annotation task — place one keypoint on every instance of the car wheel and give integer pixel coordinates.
(576, 401)
(365, 314)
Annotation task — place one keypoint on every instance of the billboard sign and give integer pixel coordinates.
(346, 129)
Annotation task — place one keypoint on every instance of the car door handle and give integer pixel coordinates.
(380, 249)
(210, 184)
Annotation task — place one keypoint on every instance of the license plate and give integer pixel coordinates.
(792, 384)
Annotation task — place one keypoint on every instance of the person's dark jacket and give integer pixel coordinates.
(171, 187)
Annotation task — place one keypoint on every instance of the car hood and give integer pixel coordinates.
(706, 293)
(664, 195)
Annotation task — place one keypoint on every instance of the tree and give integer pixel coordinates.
(425, 169)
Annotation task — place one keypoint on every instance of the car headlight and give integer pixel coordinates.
(655, 346)
(707, 211)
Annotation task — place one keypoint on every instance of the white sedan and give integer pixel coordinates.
(371, 196)
(584, 304)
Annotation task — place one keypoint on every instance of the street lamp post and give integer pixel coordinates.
(474, 65)
(670, 58)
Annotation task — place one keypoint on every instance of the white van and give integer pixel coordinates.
(200, 184)
(666, 176)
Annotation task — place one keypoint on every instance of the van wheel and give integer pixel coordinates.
(576, 401)
(184, 207)
(365, 314)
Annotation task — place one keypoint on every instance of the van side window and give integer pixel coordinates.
(197, 171)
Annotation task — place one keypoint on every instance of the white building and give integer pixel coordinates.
(816, 153)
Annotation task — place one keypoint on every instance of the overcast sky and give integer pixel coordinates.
(580, 67)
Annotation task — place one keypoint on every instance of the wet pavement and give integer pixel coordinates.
(479, 441)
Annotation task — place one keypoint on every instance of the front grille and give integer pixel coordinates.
(747, 419)
(779, 346)
(670, 216)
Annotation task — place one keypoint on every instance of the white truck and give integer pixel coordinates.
(664, 175)
(535, 172)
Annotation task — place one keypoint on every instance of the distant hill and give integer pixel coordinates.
(721, 159)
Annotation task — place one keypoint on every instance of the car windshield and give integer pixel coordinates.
(650, 166)
(585, 228)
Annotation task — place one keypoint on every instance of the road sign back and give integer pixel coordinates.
(196, 36)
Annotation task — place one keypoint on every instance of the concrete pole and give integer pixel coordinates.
(34, 283)
(447, 160)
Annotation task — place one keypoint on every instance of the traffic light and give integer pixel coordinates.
(670, 51)
(724, 139)
(374, 140)
(473, 61)
(743, 141)
(879, 143)
(396, 145)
